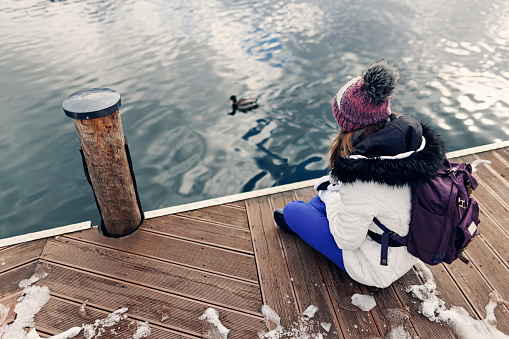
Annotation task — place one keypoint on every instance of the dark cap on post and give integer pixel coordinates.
(91, 103)
(106, 159)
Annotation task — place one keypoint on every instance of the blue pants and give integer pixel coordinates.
(309, 221)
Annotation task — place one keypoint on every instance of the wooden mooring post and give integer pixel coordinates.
(106, 158)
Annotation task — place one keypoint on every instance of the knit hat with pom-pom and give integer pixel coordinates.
(364, 100)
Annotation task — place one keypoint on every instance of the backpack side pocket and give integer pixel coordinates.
(422, 240)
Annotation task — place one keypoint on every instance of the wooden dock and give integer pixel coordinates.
(233, 258)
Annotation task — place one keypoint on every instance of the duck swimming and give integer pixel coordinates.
(243, 104)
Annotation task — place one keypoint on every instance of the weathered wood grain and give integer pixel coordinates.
(59, 315)
(220, 214)
(424, 327)
(275, 279)
(354, 322)
(144, 303)
(490, 266)
(202, 231)
(171, 278)
(103, 144)
(20, 254)
(476, 289)
(237, 204)
(9, 280)
(178, 251)
(306, 277)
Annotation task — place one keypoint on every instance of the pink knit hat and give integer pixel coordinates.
(364, 100)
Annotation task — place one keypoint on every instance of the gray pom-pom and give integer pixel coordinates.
(380, 80)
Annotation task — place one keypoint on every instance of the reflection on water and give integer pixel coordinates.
(176, 63)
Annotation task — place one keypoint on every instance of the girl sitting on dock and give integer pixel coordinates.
(375, 159)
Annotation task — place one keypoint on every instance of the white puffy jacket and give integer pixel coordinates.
(375, 181)
(350, 212)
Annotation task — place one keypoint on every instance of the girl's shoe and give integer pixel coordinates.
(280, 221)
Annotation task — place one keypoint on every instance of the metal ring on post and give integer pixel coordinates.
(91, 103)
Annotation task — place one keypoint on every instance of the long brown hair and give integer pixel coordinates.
(342, 146)
(344, 143)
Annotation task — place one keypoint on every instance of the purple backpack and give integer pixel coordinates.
(444, 217)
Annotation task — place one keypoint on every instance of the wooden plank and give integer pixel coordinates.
(9, 280)
(219, 214)
(155, 274)
(307, 280)
(492, 205)
(237, 204)
(477, 290)
(304, 194)
(499, 167)
(494, 236)
(389, 313)
(490, 266)
(144, 303)
(20, 254)
(449, 291)
(3, 248)
(424, 327)
(492, 175)
(227, 211)
(200, 256)
(201, 231)
(59, 315)
(503, 153)
(275, 281)
(354, 322)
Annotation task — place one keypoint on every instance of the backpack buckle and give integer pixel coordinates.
(470, 187)
(394, 235)
(461, 256)
(462, 203)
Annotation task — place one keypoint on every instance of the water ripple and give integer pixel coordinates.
(176, 62)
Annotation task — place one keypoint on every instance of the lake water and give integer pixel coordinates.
(175, 63)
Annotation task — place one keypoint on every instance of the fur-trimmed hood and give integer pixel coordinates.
(371, 159)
